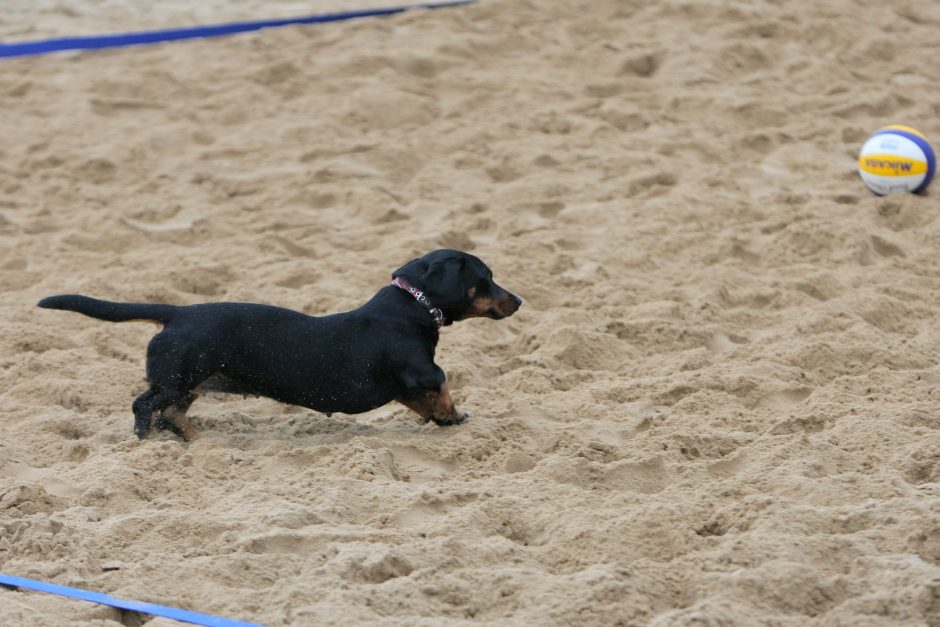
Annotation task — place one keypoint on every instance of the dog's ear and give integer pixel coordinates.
(444, 281)
(412, 271)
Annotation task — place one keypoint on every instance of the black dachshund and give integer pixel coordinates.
(349, 362)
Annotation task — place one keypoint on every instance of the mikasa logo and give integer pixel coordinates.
(901, 166)
(891, 165)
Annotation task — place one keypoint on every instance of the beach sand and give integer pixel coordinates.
(718, 406)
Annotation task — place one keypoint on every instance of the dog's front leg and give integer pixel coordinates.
(430, 399)
(436, 406)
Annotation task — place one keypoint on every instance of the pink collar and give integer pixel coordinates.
(419, 296)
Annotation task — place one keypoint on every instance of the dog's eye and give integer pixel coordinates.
(482, 287)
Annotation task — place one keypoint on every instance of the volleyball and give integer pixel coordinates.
(897, 158)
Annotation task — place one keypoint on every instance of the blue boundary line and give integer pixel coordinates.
(136, 606)
(98, 42)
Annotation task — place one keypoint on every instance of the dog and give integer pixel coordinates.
(346, 362)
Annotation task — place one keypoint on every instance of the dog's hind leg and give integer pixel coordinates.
(155, 399)
(176, 366)
(174, 418)
(143, 412)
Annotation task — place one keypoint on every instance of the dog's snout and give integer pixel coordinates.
(510, 304)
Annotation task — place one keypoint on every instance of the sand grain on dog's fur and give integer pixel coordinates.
(718, 405)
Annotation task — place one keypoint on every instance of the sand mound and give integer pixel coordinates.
(718, 405)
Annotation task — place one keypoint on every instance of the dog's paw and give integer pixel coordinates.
(142, 427)
(456, 417)
(178, 424)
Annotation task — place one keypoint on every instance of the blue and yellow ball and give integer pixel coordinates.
(897, 158)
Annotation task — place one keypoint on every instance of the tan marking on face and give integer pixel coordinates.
(480, 307)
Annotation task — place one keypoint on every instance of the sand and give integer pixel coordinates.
(718, 406)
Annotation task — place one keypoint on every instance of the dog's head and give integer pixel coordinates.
(460, 285)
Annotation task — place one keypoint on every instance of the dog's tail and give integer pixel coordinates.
(110, 311)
